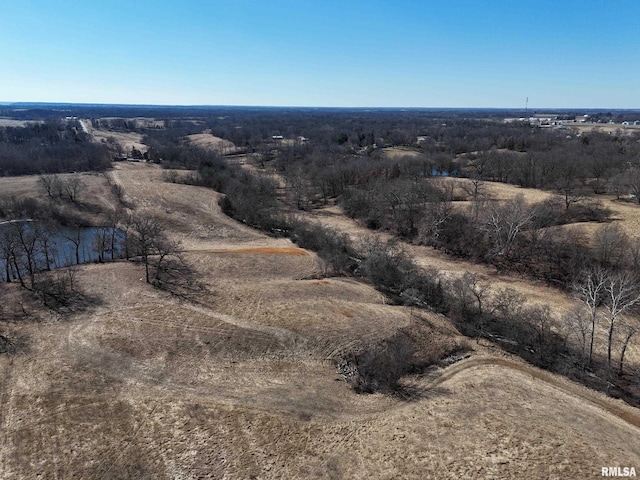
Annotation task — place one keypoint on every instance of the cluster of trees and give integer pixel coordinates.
(508, 234)
(50, 147)
(334, 155)
(607, 294)
(594, 162)
(39, 236)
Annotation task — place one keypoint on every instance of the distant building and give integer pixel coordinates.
(541, 119)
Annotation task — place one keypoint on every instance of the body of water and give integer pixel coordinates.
(25, 241)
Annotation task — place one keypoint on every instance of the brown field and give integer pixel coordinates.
(127, 140)
(95, 188)
(266, 250)
(239, 381)
(208, 141)
(604, 127)
(400, 152)
(627, 215)
(10, 122)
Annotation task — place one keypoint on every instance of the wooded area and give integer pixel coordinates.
(420, 176)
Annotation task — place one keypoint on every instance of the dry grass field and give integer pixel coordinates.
(238, 380)
(10, 122)
(211, 142)
(400, 152)
(603, 127)
(127, 140)
(627, 215)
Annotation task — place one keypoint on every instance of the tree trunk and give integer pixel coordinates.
(593, 332)
(610, 343)
(15, 264)
(624, 350)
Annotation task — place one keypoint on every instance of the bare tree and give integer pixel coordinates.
(298, 191)
(591, 291)
(628, 331)
(577, 325)
(571, 192)
(101, 243)
(476, 189)
(505, 222)
(435, 217)
(470, 296)
(611, 245)
(71, 187)
(150, 240)
(633, 182)
(540, 317)
(25, 249)
(506, 303)
(166, 248)
(74, 235)
(51, 185)
(617, 185)
(146, 233)
(621, 293)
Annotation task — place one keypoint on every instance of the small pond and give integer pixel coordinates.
(51, 248)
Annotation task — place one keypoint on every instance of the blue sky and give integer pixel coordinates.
(402, 53)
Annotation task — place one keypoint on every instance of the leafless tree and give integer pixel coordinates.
(571, 192)
(74, 235)
(633, 181)
(628, 332)
(506, 303)
(611, 245)
(577, 325)
(24, 252)
(150, 240)
(101, 243)
(51, 185)
(591, 291)
(621, 294)
(470, 295)
(71, 187)
(540, 317)
(146, 233)
(8, 247)
(166, 248)
(298, 190)
(435, 216)
(505, 222)
(476, 189)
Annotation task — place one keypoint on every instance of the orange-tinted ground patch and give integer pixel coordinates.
(265, 250)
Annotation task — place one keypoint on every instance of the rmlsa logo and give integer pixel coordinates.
(618, 472)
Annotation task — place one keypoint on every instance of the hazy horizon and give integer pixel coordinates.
(311, 107)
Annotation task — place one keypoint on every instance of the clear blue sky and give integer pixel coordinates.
(401, 53)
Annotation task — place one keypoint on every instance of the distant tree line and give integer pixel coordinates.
(50, 147)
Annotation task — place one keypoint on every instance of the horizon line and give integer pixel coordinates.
(170, 105)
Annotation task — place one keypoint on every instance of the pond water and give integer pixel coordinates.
(51, 248)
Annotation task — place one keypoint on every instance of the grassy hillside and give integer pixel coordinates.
(246, 375)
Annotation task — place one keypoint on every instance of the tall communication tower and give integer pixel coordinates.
(526, 107)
